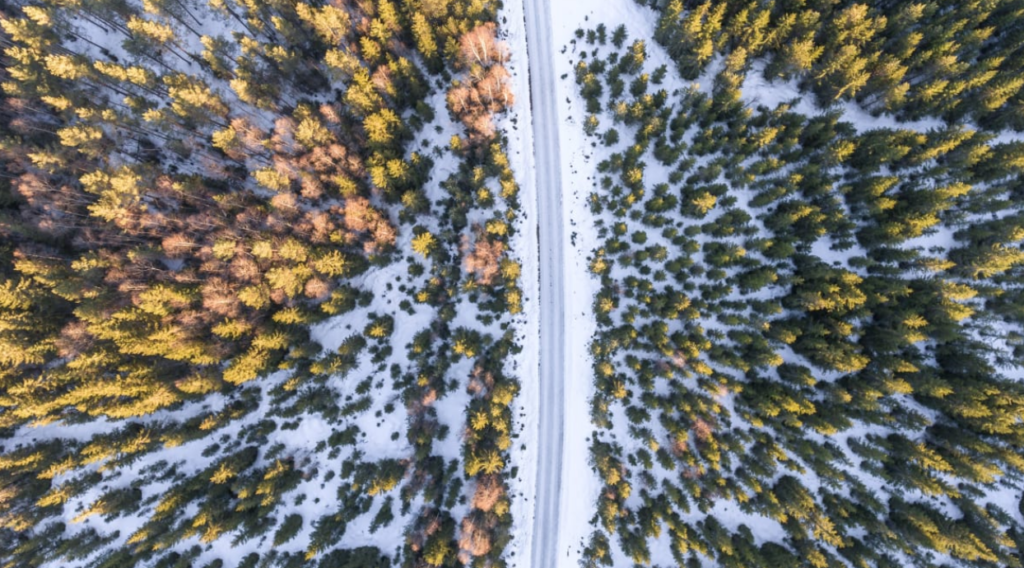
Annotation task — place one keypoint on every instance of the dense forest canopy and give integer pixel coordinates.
(810, 317)
(190, 189)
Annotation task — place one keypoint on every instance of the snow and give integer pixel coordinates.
(516, 126)
(580, 484)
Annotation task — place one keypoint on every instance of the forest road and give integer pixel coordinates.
(548, 180)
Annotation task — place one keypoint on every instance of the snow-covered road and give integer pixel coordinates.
(548, 184)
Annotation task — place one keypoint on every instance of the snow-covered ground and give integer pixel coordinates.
(579, 483)
(517, 128)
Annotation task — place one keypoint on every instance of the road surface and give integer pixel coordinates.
(548, 186)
